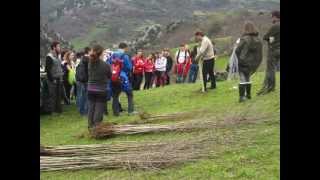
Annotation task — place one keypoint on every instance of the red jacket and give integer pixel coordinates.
(148, 66)
(138, 65)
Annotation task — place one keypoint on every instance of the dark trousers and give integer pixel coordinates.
(67, 88)
(167, 74)
(55, 93)
(270, 77)
(207, 69)
(116, 90)
(137, 80)
(148, 80)
(160, 75)
(96, 108)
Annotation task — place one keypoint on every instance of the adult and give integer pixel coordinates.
(82, 82)
(98, 74)
(67, 67)
(206, 52)
(169, 64)
(54, 77)
(181, 57)
(249, 53)
(121, 69)
(149, 71)
(273, 39)
(160, 67)
(138, 65)
(194, 67)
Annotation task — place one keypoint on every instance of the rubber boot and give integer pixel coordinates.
(248, 91)
(242, 92)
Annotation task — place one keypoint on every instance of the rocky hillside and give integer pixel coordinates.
(138, 21)
(46, 37)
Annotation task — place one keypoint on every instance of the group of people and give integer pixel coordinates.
(156, 68)
(98, 75)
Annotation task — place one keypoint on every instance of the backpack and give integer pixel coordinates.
(185, 56)
(82, 72)
(116, 66)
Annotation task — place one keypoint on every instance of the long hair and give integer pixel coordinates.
(249, 28)
(67, 56)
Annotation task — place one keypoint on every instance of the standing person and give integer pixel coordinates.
(67, 67)
(188, 64)
(273, 39)
(169, 65)
(249, 53)
(72, 76)
(181, 57)
(138, 65)
(54, 76)
(120, 81)
(160, 67)
(207, 54)
(82, 82)
(98, 74)
(193, 73)
(148, 71)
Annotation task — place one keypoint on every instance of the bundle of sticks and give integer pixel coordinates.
(123, 155)
(105, 130)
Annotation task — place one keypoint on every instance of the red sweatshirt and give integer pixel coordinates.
(148, 66)
(138, 65)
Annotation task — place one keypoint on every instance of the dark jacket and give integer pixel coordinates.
(53, 67)
(169, 63)
(99, 76)
(249, 53)
(274, 32)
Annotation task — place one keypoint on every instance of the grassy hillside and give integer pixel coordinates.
(242, 151)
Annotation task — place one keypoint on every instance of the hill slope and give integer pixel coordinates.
(241, 151)
(111, 21)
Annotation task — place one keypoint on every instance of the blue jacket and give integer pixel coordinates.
(127, 68)
(125, 71)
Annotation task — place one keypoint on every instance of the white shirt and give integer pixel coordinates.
(182, 56)
(161, 64)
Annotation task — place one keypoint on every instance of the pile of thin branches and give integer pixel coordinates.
(140, 156)
(105, 130)
(148, 118)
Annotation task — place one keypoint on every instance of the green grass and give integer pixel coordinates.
(252, 153)
(81, 42)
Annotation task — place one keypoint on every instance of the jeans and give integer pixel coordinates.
(96, 108)
(82, 98)
(207, 69)
(270, 77)
(116, 90)
(193, 73)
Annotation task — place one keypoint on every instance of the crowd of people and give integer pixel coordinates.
(98, 75)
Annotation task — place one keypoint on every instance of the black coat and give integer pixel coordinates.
(249, 53)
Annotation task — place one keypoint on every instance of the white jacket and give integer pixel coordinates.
(161, 64)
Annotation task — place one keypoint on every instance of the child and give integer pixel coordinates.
(160, 66)
(148, 71)
(182, 56)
